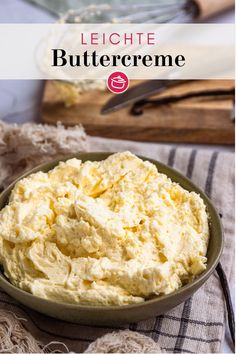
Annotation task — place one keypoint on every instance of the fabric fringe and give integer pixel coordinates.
(124, 342)
(14, 338)
(38, 143)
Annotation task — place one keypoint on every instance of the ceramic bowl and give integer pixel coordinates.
(115, 315)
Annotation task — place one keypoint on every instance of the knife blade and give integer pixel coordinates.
(139, 92)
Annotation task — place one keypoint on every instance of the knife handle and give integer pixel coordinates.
(209, 8)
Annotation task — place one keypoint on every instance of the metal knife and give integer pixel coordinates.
(139, 92)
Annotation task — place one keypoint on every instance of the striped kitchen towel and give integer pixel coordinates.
(196, 326)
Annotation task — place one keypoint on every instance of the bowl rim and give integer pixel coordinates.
(195, 283)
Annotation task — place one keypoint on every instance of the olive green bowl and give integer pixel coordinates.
(115, 315)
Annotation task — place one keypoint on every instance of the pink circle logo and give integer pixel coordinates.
(118, 82)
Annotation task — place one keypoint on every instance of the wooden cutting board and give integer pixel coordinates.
(204, 120)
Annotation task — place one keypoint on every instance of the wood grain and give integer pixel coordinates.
(191, 121)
